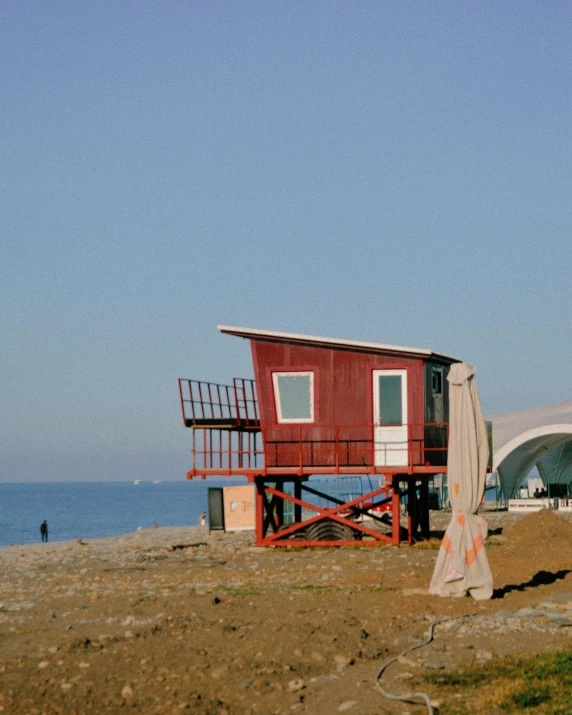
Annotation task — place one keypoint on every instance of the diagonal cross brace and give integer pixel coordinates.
(343, 504)
(325, 513)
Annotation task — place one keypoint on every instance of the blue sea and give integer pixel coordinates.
(89, 510)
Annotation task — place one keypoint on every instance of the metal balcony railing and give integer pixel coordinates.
(311, 449)
(207, 404)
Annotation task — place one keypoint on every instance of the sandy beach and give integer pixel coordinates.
(170, 620)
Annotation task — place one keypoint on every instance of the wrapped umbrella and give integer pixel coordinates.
(462, 566)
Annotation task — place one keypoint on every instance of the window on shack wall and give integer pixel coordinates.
(294, 396)
(437, 380)
(391, 398)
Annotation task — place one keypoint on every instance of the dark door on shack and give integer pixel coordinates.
(216, 509)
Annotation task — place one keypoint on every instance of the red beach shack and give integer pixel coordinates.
(319, 411)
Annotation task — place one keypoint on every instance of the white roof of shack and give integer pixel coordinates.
(273, 335)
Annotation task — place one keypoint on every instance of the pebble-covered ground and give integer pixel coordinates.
(176, 619)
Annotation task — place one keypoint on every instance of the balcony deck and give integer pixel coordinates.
(229, 423)
(208, 405)
(307, 450)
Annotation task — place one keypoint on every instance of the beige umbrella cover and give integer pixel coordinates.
(462, 566)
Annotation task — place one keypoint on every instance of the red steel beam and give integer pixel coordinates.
(323, 513)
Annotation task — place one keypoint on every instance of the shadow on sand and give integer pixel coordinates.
(540, 578)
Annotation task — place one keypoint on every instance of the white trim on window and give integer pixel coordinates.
(278, 403)
(376, 397)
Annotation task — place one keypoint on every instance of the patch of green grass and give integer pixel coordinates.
(530, 697)
(513, 684)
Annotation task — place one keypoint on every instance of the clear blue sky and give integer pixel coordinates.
(393, 171)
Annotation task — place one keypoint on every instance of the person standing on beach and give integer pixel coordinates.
(44, 530)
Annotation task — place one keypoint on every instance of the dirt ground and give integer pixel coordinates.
(175, 620)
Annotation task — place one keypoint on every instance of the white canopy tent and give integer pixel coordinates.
(540, 437)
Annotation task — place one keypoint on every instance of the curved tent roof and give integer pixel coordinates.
(539, 437)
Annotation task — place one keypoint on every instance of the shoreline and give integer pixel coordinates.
(158, 533)
(439, 520)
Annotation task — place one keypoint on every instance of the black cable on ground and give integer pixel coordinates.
(413, 698)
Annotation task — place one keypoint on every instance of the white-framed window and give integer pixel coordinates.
(294, 396)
